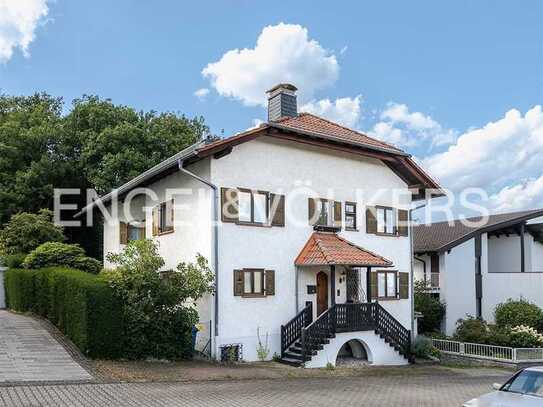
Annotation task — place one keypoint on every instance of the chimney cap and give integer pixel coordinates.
(287, 86)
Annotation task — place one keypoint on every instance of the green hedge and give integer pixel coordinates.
(80, 304)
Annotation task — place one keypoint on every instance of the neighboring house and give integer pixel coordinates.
(472, 269)
(294, 243)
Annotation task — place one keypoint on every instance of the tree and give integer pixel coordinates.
(157, 311)
(26, 231)
(97, 144)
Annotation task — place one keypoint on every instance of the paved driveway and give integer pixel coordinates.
(448, 389)
(29, 353)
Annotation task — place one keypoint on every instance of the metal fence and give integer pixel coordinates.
(490, 352)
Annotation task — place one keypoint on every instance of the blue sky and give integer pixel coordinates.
(436, 79)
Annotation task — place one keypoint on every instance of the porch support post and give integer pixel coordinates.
(368, 284)
(333, 285)
(522, 252)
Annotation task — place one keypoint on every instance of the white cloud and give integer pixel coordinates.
(506, 152)
(343, 50)
(18, 22)
(201, 93)
(283, 53)
(404, 128)
(527, 195)
(345, 111)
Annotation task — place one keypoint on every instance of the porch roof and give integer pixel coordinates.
(324, 248)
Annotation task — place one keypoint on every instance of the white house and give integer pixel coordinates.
(298, 252)
(474, 268)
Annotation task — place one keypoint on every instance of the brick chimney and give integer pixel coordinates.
(282, 102)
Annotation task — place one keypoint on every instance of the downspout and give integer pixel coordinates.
(411, 277)
(215, 231)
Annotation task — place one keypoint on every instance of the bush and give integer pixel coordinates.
(52, 254)
(431, 308)
(14, 261)
(157, 310)
(471, 330)
(81, 305)
(26, 231)
(525, 337)
(423, 348)
(521, 312)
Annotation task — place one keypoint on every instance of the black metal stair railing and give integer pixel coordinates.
(292, 331)
(392, 330)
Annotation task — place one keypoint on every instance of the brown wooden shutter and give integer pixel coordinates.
(270, 282)
(371, 220)
(311, 211)
(156, 220)
(123, 232)
(171, 214)
(337, 214)
(229, 205)
(403, 222)
(403, 285)
(434, 263)
(239, 284)
(373, 285)
(277, 209)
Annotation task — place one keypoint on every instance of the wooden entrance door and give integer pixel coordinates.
(322, 292)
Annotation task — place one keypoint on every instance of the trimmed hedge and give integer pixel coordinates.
(81, 305)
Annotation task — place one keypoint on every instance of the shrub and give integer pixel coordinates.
(520, 312)
(52, 254)
(525, 337)
(26, 231)
(431, 308)
(157, 311)
(471, 330)
(14, 261)
(423, 347)
(81, 305)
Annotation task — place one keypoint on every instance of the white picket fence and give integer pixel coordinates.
(490, 352)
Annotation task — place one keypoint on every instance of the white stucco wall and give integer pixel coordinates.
(378, 351)
(537, 257)
(458, 283)
(281, 167)
(504, 253)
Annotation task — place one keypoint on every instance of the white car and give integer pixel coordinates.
(524, 389)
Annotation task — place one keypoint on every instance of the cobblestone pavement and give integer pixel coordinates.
(449, 389)
(28, 352)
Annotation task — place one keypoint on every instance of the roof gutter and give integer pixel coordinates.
(215, 241)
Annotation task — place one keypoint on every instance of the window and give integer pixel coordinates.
(325, 209)
(254, 282)
(136, 232)
(163, 218)
(253, 206)
(324, 212)
(386, 284)
(386, 220)
(350, 215)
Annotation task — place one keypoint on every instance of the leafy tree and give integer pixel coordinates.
(518, 312)
(157, 315)
(26, 231)
(97, 144)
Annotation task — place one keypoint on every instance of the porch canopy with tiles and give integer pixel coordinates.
(326, 252)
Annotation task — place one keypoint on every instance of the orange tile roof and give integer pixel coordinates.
(310, 123)
(328, 248)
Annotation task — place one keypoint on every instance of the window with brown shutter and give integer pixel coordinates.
(338, 219)
(403, 282)
(373, 285)
(254, 283)
(324, 212)
(277, 209)
(311, 207)
(350, 216)
(238, 283)
(155, 221)
(403, 222)
(387, 285)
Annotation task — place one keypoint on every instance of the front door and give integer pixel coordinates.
(322, 292)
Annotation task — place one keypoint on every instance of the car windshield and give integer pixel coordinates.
(527, 382)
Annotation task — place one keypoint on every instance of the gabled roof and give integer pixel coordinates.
(441, 236)
(325, 249)
(304, 128)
